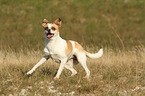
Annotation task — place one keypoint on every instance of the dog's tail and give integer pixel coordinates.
(95, 55)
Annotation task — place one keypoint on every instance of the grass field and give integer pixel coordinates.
(91, 22)
(115, 74)
(117, 26)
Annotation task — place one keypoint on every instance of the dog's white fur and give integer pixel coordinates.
(65, 51)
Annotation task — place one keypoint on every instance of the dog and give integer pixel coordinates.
(65, 52)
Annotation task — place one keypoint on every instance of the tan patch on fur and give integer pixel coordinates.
(79, 47)
(54, 25)
(69, 48)
(44, 25)
(86, 52)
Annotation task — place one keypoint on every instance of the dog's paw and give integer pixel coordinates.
(56, 78)
(87, 77)
(74, 73)
(30, 72)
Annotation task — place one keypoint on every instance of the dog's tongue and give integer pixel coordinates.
(49, 36)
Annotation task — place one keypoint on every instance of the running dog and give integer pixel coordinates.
(65, 52)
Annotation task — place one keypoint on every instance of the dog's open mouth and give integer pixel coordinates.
(49, 35)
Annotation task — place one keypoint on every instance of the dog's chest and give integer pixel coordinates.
(56, 50)
(56, 54)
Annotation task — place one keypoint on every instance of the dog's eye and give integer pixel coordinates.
(53, 28)
(46, 28)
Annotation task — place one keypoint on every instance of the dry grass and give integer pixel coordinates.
(116, 73)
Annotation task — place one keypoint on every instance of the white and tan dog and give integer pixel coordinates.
(65, 52)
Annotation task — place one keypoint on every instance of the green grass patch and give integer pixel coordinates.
(89, 22)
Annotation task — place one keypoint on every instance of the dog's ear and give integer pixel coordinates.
(44, 23)
(58, 22)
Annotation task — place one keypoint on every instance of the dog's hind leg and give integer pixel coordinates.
(69, 66)
(81, 56)
(45, 58)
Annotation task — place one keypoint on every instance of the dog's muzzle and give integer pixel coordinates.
(49, 35)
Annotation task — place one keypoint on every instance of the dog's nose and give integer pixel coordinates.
(48, 30)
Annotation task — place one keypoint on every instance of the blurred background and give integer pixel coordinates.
(98, 23)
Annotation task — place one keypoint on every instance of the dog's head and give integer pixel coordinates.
(51, 29)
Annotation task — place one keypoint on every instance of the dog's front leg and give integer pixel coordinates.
(63, 62)
(45, 58)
